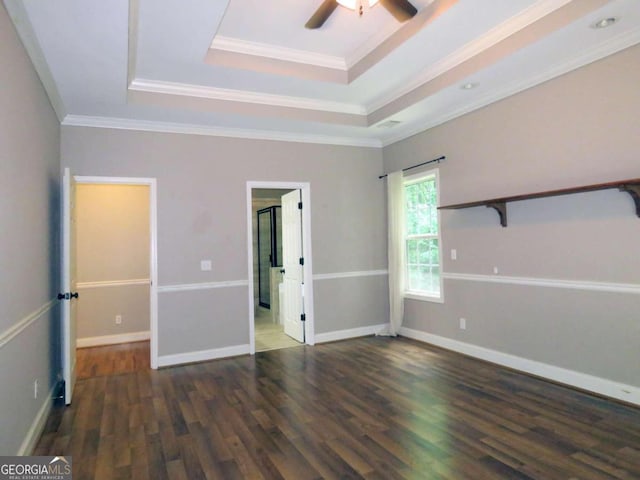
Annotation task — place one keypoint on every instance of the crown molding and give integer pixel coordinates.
(236, 45)
(230, 95)
(20, 18)
(191, 129)
(613, 45)
(471, 49)
(370, 45)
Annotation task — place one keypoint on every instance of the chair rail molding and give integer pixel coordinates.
(20, 326)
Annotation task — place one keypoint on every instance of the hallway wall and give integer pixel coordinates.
(29, 245)
(113, 256)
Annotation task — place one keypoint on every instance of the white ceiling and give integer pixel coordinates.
(249, 68)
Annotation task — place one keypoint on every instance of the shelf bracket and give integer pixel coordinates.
(632, 189)
(501, 208)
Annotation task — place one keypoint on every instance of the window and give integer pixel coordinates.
(422, 237)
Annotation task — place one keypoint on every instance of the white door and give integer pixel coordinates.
(69, 293)
(292, 263)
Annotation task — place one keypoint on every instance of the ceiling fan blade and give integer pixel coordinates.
(402, 10)
(322, 14)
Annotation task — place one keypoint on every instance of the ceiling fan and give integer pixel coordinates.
(402, 10)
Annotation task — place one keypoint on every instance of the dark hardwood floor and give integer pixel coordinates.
(369, 408)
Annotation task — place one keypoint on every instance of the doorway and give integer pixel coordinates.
(69, 278)
(269, 301)
(141, 251)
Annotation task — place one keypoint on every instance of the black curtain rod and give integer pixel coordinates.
(439, 159)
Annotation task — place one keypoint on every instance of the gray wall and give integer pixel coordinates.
(578, 129)
(29, 204)
(112, 241)
(202, 214)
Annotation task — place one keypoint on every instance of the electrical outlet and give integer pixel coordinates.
(205, 265)
(495, 270)
(454, 254)
(35, 389)
(463, 324)
(118, 319)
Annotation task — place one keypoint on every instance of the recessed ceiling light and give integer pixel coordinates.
(469, 86)
(604, 22)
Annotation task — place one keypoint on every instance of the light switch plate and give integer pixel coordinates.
(454, 254)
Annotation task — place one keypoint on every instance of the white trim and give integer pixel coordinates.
(153, 247)
(202, 286)
(20, 326)
(504, 30)
(245, 47)
(213, 131)
(633, 288)
(243, 96)
(18, 13)
(88, 179)
(410, 180)
(350, 333)
(364, 273)
(132, 44)
(370, 45)
(113, 339)
(611, 46)
(30, 441)
(424, 297)
(305, 188)
(202, 355)
(580, 380)
(113, 283)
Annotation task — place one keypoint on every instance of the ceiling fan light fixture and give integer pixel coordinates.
(356, 4)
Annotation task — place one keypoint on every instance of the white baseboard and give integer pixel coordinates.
(113, 339)
(37, 427)
(202, 355)
(583, 381)
(349, 333)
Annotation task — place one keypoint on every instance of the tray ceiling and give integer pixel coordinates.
(249, 68)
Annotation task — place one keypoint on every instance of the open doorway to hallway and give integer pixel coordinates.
(113, 238)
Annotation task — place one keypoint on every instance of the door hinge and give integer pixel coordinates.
(299, 205)
(303, 317)
(301, 260)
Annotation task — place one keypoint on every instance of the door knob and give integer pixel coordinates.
(67, 296)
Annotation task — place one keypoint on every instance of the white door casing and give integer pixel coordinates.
(305, 189)
(68, 285)
(293, 276)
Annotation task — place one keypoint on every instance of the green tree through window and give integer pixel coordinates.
(422, 236)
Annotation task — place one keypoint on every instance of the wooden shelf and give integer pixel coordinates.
(632, 187)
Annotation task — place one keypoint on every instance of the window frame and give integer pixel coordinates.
(418, 294)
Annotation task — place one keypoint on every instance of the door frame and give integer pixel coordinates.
(305, 189)
(153, 249)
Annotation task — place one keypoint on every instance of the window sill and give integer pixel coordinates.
(424, 297)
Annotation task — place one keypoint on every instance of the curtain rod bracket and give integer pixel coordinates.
(437, 160)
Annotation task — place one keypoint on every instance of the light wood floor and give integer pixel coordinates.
(372, 408)
(269, 335)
